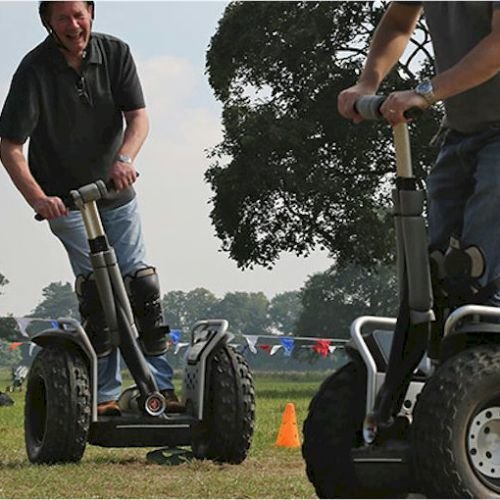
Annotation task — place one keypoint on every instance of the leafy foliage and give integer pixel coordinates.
(59, 301)
(332, 300)
(290, 173)
(284, 311)
(3, 282)
(248, 313)
(184, 309)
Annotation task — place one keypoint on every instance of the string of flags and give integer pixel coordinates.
(270, 344)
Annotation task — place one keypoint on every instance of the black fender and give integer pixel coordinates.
(65, 338)
(71, 335)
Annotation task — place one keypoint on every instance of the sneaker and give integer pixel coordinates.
(109, 409)
(173, 404)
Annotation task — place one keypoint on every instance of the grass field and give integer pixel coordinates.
(268, 472)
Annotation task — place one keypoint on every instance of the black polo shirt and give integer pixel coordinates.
(74, 121)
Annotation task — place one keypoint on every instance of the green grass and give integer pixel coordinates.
(268, 472)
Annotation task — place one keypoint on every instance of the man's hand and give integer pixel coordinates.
(123, 175)
(50, 207)
(348, 97)
(397, 103)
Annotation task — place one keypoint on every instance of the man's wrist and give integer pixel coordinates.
(426, 90)
(123, 158)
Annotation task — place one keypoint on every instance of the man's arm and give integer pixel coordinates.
(388, 44)
(479, 65)
(15, 163)
(136, 131)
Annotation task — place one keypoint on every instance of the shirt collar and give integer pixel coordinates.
(55, 56)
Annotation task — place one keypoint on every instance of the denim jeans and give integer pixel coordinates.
(464, 197)
(123, 228)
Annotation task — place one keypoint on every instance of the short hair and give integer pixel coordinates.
(44, 11)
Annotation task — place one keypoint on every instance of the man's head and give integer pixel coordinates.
(69, 22)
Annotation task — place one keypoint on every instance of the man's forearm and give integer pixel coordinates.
(136, 131)
(477, 67)
(389, 42)
(16, 165)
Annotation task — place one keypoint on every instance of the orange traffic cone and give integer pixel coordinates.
(288, 435)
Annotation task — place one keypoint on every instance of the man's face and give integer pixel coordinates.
(72, 23)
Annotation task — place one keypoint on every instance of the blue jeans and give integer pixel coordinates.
(464, 197)
(123, 228)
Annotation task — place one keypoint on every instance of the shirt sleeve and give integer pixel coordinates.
(21, 108)
(129, 95)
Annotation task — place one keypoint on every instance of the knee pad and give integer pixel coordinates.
(143, 289)
(92, 315)
(458, 271)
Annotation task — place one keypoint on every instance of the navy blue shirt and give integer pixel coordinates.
(74, 120)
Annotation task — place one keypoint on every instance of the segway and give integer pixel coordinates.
(417, 407)
(61, 396)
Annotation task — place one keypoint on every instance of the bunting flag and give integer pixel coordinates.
(252, 341)
(275, 349)
(179, 346)
(23, 323)
(322, 347)
(14, 345)
(288, 345)
(175, 336)
(271, 344)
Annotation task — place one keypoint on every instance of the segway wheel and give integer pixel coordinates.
(332, 427)
(225, 435)
(57, 410)
(456, 427)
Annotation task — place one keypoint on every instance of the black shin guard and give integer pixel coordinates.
(144, 292)
(92, 315)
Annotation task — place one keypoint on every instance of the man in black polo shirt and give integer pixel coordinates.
(69, 96)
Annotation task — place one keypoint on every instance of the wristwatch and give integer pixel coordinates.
(124, 159)
(425, 90)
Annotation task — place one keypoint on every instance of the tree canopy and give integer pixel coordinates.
(3, 282)
(290, 174)
(59, 301)
(332, 300)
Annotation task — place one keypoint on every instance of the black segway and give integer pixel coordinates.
(417, 407)
(61, 396)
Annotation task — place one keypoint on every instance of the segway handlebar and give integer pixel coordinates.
(90, 192)
(368, 106)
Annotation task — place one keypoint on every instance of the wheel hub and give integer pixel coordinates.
(483, 442)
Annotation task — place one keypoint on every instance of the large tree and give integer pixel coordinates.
(59, 301)
(247, 313)
(290, 174)
(183, 309)
(332, 300)
(3, 282)
(284, 311)
(8, 325)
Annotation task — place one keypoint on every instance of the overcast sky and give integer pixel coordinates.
(168, 41)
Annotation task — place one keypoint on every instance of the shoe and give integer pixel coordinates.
(109, 409)
(173, 404)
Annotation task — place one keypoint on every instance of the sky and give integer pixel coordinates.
(169, 42)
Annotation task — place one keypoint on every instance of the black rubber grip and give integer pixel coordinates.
(368, 106)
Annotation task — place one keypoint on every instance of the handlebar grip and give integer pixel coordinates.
(368, 106)
(104, 189)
